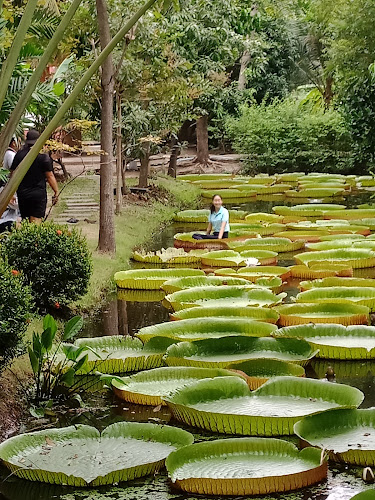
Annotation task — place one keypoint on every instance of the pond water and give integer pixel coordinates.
(126, 317)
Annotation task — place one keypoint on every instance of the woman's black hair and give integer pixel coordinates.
(212, 207)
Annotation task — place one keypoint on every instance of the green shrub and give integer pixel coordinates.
(286, 136)
(54, 259)
(15, 308)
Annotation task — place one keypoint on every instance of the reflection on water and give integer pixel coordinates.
(125, 314)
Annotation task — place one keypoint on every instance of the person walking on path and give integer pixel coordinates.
(218, 221)
(10, 153)
(32, 191)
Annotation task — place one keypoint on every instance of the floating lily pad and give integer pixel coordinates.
(148, 387)
(348, 435)
(197, 216)
(234, 312)
(265, 189)
(331, 244)
(335, 281)
(223, 296)
(244, 466)
(344, 314)
(220, 353)
(177, 284)
(248, 229)
(226, 404)
(223, 258)
(151, 279)
(364, 296)
(308, 210)
(335, 341)
(81, 456)
(256, 272)
(230, 194)
(263, 218)
(118, 354)
(321, 270)
(315, 193)
(140, 295)
(260, 370)
(204, 328)
(356, 258)
(271, 243)
(264, 257)
(167, 256)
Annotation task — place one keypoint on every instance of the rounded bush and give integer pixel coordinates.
(54, 259)
(15, 307)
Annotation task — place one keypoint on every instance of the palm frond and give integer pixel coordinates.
(44, 24)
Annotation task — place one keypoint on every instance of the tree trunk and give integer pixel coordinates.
(245, 59)
(145, 162)
(172, 167)
(107, 242)
(202, 140)
(118, 155)
(123, 172)
(328, 92)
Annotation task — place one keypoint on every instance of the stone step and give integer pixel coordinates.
(88, 204)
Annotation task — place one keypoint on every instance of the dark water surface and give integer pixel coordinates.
(126, 317)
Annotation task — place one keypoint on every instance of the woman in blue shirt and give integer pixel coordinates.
(218, 221)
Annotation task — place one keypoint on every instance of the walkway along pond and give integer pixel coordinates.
(126, 317)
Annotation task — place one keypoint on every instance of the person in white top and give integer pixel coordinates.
(11, 215)
(10, 153)
(218, 221)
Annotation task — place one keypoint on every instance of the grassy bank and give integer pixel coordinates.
(137, 224)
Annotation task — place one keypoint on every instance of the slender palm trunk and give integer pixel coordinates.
(107, 241)
(172, 167)
(145, 162)
(118, 154)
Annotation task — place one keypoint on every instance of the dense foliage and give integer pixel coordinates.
(286, 136)
(54, 260)
(15, 308)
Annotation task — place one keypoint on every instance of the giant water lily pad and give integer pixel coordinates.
(262, 257)
(223, 258)
(81, 456)
(234, 312)
(260, 370)
(335, 341)
(117, 353)
(308, 209)
(348, 435)
(177, 284)
(336, 281)
(197, 216)
(167, 256)
(226, 404)
(321, 270)
(220, 353)
(356, 258)
(151, 279)
(332, 244)
(255, 229)
(203, 328)
(223, 296)
(315, 192)
(231, 194)
(244, 466)
(148, 387)
(269, 243)
(344, 314)
(256, 272)
(364, 296)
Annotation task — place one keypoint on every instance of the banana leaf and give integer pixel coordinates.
(356, 258)
(335, 341)
(167, 256)
(151, 279)
(230, 194)
(177, 284)
(308, 210)
(364, 495)
(348, 435)
(273, 244)
(364, 296)
(344, 314)
(262, 218)
(321, 270)
(222, 296)
(254, 273)
(81, 456)
(220, 353)
(258, 371)
(226, 405)
(336, 281)
(118, 354)
(244, 466)
(223, 258)
(316, 193)
(206, 328)
(148, 387)
(234, 312)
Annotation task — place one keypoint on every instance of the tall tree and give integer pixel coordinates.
(107, 240)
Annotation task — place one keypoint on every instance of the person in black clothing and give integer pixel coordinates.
(32, 191)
